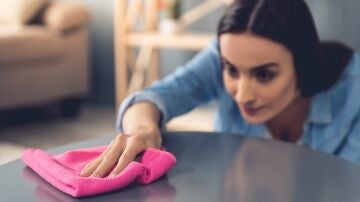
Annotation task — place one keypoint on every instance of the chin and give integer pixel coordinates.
(256, 119)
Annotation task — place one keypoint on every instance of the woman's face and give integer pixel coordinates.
(259, 74)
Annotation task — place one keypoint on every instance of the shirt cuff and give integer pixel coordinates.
(142, 96)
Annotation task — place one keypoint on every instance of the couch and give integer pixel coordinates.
(44, 59)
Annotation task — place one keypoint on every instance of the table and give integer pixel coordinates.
(214, 167)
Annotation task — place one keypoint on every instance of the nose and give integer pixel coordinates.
(244, 92)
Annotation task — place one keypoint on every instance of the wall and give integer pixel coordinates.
(102, 51)
(335, 19)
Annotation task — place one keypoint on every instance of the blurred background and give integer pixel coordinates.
(57, 67)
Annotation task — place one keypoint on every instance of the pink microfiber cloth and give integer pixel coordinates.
(63, 170)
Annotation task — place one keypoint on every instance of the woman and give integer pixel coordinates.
(272, 78)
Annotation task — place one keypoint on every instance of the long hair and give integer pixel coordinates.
(290, 23)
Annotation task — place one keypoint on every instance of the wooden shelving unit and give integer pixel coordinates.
(187, 41)
(134, 70)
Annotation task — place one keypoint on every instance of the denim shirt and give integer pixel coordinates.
(332, 125)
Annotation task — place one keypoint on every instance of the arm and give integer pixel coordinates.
(144, 117)
(142, 114)
(193, 84)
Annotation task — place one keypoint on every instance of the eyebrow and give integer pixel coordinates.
(256, 68)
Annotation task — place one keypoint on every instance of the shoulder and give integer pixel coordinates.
(336, 111)
(344, 94)
(342, 99)
(209, 55)
(353, 68)
(212, 50)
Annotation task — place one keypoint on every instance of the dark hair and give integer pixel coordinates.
(289, 22)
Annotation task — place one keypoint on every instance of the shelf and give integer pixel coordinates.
(188, 40)
(134, 70)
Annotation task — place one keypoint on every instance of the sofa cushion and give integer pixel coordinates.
(19, 11)
(62, 16)
(19, 43)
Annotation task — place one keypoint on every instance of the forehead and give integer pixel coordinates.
(247, 50)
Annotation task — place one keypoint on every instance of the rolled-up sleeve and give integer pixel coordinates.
(141, 96)
(190, 85)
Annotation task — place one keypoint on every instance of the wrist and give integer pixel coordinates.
(151, 134)
(148, 129)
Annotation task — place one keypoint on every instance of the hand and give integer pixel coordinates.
(122, 150)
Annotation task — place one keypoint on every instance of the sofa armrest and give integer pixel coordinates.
(62, 16)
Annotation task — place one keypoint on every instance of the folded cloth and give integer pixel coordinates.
(63, 170)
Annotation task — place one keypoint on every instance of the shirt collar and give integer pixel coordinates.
(320, 109)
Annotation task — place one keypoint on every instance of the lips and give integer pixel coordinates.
(252, 110)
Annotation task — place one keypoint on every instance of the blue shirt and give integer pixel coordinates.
(332, 125)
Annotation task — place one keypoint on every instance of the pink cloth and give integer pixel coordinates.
(63, 170)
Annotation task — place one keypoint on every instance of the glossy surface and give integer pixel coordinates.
(214, 168)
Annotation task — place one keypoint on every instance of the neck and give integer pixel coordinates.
(288, 124)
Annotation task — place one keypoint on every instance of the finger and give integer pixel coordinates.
(91, 167)
(133, 148)
(111, 158)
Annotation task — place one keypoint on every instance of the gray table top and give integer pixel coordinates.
(213, 167)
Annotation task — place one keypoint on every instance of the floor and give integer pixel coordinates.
(45, 128)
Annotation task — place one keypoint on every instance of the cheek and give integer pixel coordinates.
(280, 93)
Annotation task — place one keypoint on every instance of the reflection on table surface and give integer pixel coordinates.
(215, 167)
(45, 192)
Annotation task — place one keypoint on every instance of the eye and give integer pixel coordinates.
(231, 70)
(264, 76)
